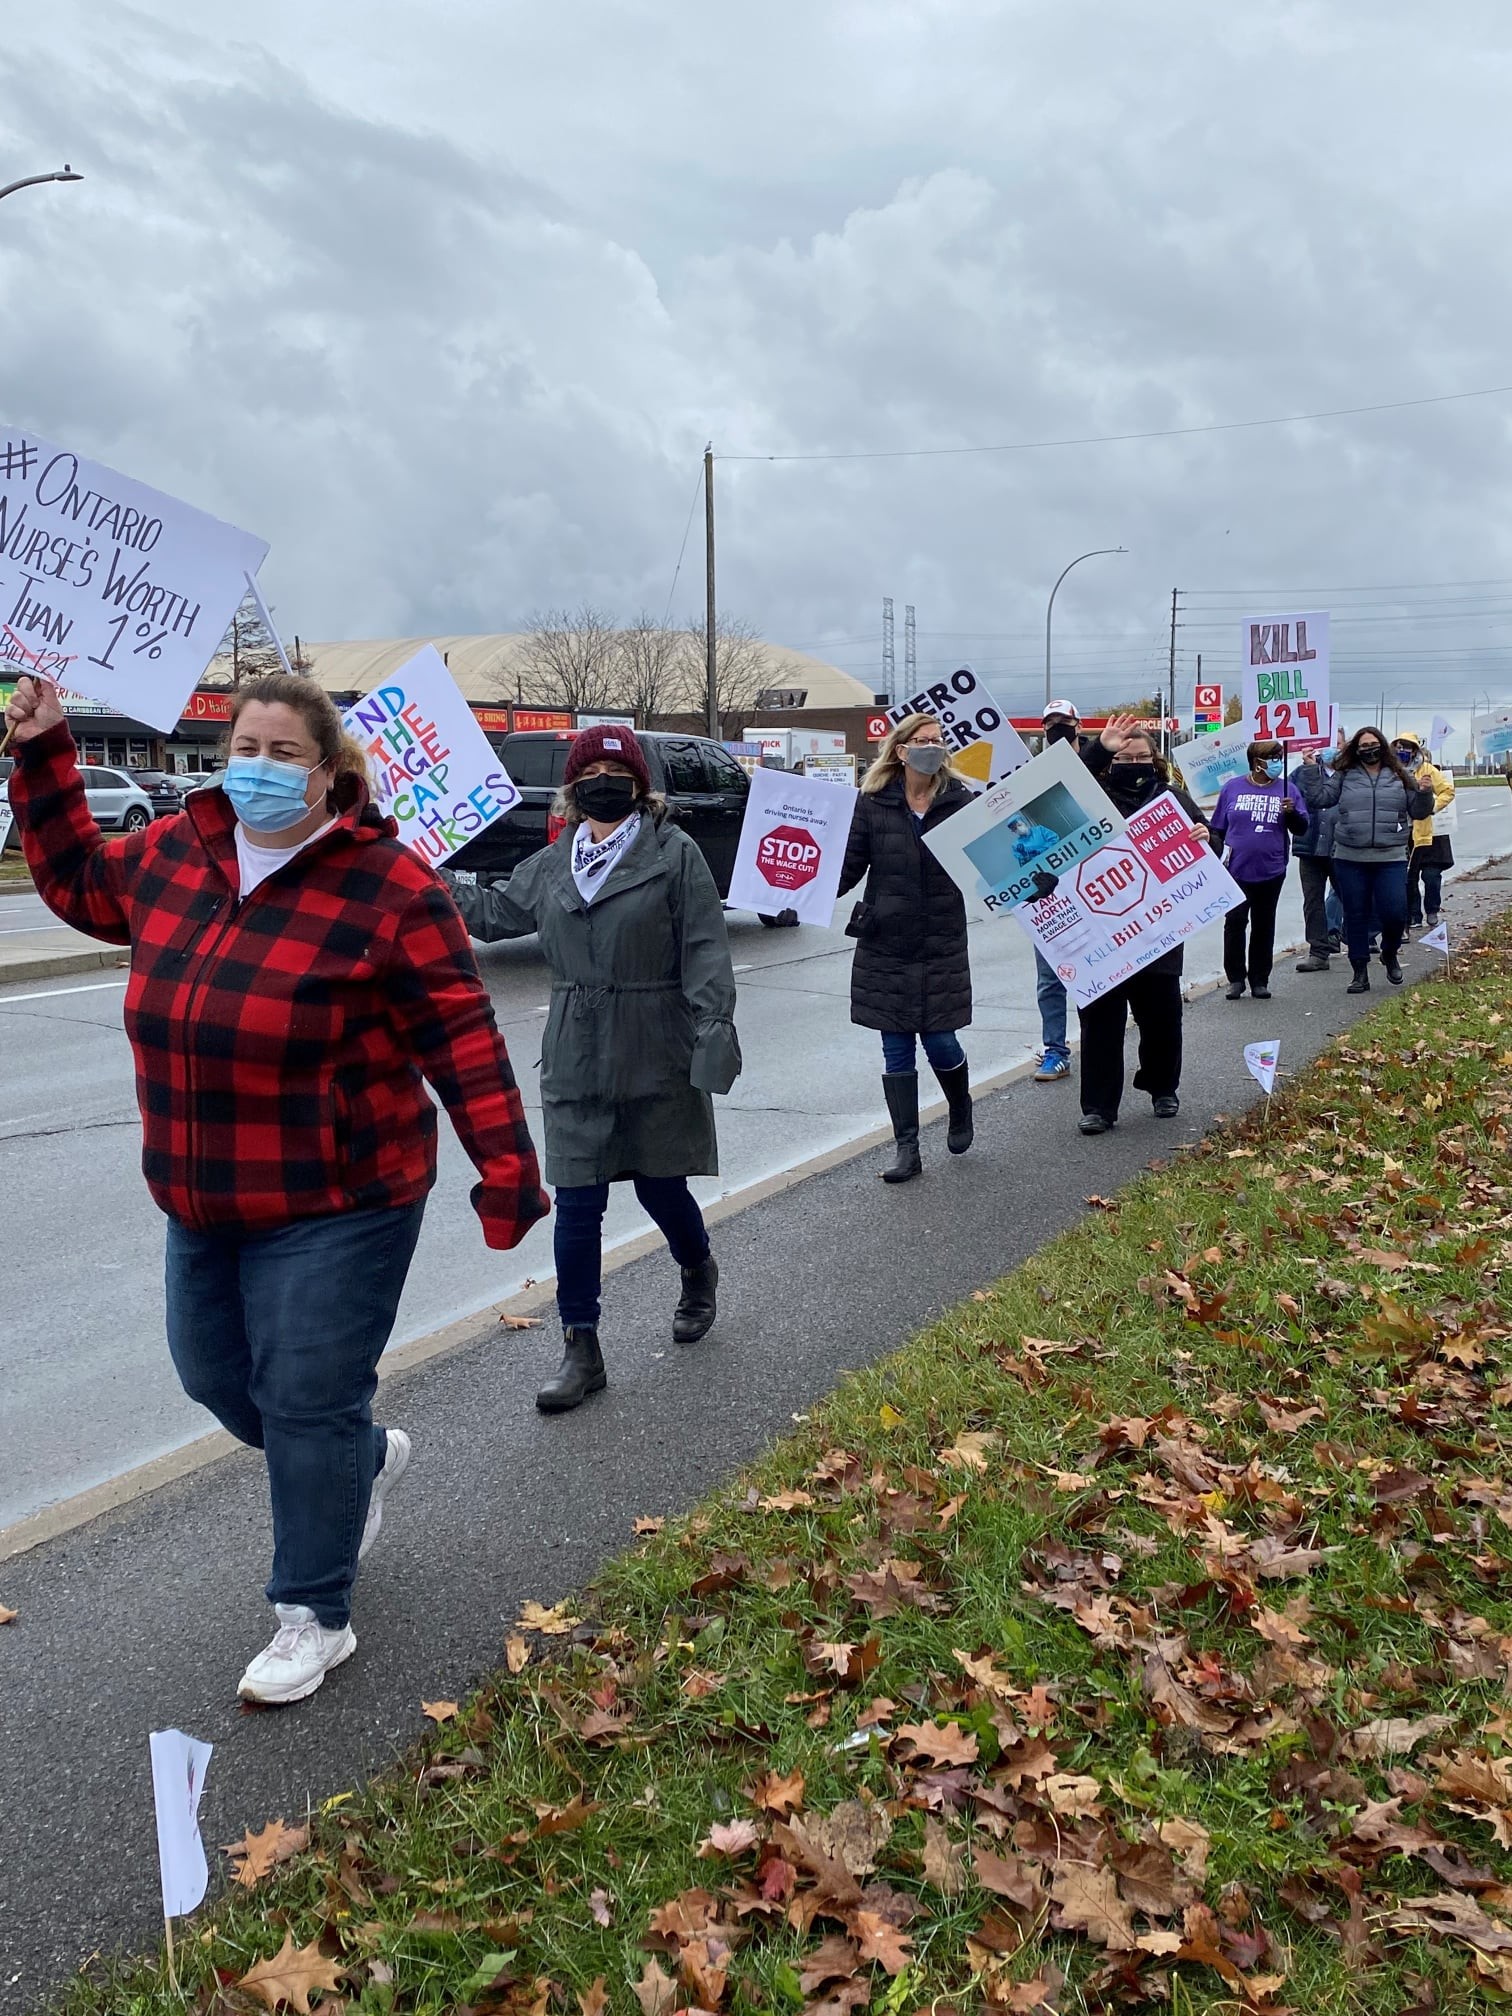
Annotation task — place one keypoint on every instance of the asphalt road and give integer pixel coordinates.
(89, 1392)
(143, 1619)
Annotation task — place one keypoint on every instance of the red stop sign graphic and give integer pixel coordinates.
(1112, 883)
(787, 857)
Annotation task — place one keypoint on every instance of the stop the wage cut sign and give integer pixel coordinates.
(792, 846)
(1130, 903)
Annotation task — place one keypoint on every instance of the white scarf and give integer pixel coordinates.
(593, 860)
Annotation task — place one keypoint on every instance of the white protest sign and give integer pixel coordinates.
(1260, 1060)
(1440, 732)
(1208, 761)
(1437, 940)
(7, 818)
(984, 745)
(1135, 900)
(1043, 819)
(792, 846)
(1285, 663)
(179, 1764)
(433, 769)
(115, 589)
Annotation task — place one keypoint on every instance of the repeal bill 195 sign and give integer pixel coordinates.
(110, 588)
(792, 846)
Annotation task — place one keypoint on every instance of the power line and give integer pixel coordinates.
(677, 570)
(1105, 440)
(1376, 588)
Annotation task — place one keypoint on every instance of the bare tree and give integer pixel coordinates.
(247, 650)
(650, 676)
(740, 671)
(568, 659)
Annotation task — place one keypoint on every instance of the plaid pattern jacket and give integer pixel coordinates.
(280, 1042)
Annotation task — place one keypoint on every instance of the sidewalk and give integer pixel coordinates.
(143, 1619)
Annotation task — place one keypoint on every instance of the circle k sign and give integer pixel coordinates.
(1113, 882)
(787, 857)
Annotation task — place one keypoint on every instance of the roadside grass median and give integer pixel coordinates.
(1140, 1634)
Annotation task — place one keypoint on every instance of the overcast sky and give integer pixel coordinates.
(444, 302)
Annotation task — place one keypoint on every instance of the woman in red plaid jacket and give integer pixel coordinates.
(296, 974)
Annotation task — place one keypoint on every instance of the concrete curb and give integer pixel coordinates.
(58, 965)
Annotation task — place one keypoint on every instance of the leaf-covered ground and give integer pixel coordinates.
(1139, 1635)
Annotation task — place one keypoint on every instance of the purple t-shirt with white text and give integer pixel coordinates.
(1247, 818)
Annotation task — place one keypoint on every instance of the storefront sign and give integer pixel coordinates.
(526, 718)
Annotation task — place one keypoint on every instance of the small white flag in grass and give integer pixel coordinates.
(179, 1764)
(1437, 939)
(1260, 1061)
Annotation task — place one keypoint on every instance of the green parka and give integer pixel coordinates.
(641, 1027)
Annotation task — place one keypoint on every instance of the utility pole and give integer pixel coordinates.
(711, 621)
(1175, 597)
(910, 649)
(889, 657)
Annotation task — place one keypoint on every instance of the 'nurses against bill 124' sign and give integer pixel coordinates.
(113, 589)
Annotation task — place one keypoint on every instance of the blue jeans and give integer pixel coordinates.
(1050, 993)
(578, 1238)
(1372, 892)
(279, 1334)
(1334, 911)
(941, 1046)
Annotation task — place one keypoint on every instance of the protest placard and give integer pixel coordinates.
(1285, 661)
(1493, 735)
(1208, 761)
(792, 846)
(984, 745)
(1046, 816)
(1136, 899)
(1260, 1060)
(108, 586)
(1439, 733)
(433, 769)
(7, 818)
(179, 1764)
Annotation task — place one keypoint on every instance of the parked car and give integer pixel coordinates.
(115, 803)
(166, 791)
(705, 789)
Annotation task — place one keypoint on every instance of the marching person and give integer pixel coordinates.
(1062, 723)
(911, 976)
(1127, 762)
(641, 1031)
(1254, 819)
(1378, 801)
(296, 974)
(1432, 851)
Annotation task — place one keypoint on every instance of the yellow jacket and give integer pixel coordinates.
(1443, 794)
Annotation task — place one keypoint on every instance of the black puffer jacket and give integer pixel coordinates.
(1131, 800)
(911, 970)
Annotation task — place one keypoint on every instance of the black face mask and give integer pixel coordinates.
(1060, 731)
(1133, 776)
(606, 798)
(1371, 756)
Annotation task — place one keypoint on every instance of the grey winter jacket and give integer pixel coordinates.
(641, 1026)
(1375, 814)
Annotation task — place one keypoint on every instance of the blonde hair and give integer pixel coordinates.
(889, 763)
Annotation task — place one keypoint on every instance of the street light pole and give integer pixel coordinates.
(1050, 605)
(63, 174)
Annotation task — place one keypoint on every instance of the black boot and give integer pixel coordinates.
(956, 1085)
(901, 1089)
(1361, 981)
(695, 1312)
(582, 1373)
(1393, 968)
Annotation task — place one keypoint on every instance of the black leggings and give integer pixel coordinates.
(1258, 911)
(1155, 999)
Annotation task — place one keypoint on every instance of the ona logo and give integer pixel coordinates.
(1112, 883)
(787, 857)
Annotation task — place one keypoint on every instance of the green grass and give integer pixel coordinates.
(1344, 1256)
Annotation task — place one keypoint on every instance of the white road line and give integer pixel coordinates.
(53, 993)
(25, 930)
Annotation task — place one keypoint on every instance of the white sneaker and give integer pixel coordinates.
(301, 1654)
(395, 1462)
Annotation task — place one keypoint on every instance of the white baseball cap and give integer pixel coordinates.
(1066, 707)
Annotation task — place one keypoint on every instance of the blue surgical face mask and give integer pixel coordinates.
(1274, 766)
(267, 795)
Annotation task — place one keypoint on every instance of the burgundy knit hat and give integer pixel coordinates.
(611, 745)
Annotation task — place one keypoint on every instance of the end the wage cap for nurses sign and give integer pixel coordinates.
(983, 743)
(1285, 667)
(433, 769)
(792, 846)
(1136, 899)
(108, 587)
(1044, 818)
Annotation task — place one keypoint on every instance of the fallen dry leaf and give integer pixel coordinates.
(601, 1906)
(881, 1940)
(853, 1835)
(563, 1819)
(970, 1451)
(1006, 1876)
(8, 1616)
(774, 1793)
(655, 1991)
(292, 1976)
(950, 1745)
(255, 1854)
(439, 1711)
(1190, 1843)
(520, 1322)
(835, 1960)
(944, 1860)
(649, 1523)
(554, 1623)
(516, 1652)
(595, 2000)
(1087, 1900)
(1394, 1736)
(731, 1838)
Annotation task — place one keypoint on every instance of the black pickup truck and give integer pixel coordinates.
(705, 789)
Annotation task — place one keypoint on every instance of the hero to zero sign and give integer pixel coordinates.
(788, 858)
